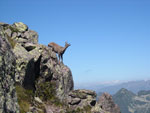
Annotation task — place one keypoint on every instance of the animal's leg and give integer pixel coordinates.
(59, 58)
(62, 58)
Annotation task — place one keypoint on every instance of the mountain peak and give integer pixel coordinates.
(125, 92)
(131, 103)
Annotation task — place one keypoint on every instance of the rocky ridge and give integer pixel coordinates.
(133, 103)
(36, 81)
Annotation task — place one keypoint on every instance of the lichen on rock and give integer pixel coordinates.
(8, 98)
(37, 65)
(21, 27)
(79, 99)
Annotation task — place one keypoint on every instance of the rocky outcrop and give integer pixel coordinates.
(8, 98)
(105, 103)
(51, 70)
(35, 63)
(42, 83)
(81, 99)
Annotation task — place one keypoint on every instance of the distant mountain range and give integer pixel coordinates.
(114, 86)
(134, 86)
(132, 103)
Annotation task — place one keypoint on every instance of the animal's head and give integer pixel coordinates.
(67, 44)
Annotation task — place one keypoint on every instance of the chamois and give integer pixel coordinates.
(58, 49)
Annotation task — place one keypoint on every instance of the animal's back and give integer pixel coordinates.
(55, 46)
(52, 44)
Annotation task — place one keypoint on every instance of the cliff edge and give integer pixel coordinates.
(32, 80)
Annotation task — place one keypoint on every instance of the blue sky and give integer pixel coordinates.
(110, 39)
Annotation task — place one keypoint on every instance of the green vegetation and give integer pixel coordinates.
(25, 98)
(131, 103)
(46, 91)
(11, 41)
(13, 29)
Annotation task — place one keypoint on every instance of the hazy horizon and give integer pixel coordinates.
(110, 40)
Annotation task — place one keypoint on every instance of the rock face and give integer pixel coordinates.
(42, 83)
(50, 70)
(8, 98)
(81, 98)
(106, 104)
(35, 63)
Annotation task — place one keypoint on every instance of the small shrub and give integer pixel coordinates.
(47, 92)
(13, 29)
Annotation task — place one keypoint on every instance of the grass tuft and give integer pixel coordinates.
(11, 41)
(25, 98)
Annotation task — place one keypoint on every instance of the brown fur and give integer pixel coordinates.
(58, 49)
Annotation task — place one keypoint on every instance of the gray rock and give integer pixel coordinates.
(31, 36)
(14, 35)
(51, 70)
(8, 32)
(75, 101)
(64, 80)
(8, 98)
(21, 27)
(29, 46)
(27, 37)
(19, 34)
(3, 24)
(24, 64)
(81, 98)
(105, 103)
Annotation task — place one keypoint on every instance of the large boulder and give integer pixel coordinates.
(106, 104)
(21, 27)
(8, 98)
